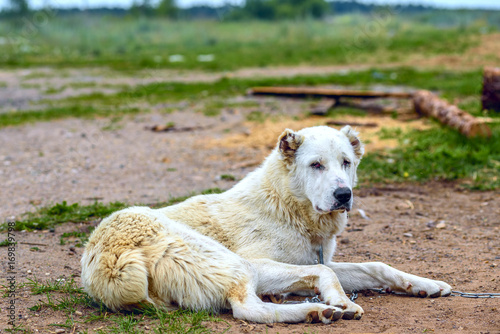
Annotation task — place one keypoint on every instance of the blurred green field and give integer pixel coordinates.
(131, 43)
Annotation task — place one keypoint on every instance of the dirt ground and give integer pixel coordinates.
(437, 230)
(402, 231)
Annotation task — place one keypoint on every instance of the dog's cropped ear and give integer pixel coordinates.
(357, 145)
(288, 143)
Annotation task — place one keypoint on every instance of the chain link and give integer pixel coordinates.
(475, 295)
(354, 294)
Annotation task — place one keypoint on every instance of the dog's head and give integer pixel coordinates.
(322, 162)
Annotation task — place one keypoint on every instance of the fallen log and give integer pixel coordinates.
(428, 104)
(325, 93)
(490, 97)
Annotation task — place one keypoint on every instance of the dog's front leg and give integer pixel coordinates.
(277, 277)
(362, 276)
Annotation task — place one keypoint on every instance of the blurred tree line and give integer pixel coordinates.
(251, 9)
(281, 9)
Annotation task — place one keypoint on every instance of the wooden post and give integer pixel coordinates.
(491, 88)
(428, 104)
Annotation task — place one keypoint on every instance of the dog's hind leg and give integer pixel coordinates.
(248, 306)
(275, 277)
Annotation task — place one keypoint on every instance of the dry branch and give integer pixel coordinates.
(173, 128)
(491, 88)
(428, 104)
(325, 93)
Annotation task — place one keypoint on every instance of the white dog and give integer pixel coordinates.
(263, 236)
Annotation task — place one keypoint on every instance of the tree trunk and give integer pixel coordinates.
(491, 88)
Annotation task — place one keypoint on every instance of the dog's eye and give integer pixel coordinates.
(346, 163)
(317, 165)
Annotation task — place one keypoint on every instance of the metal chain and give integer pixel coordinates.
(354, 294)
(475, 295)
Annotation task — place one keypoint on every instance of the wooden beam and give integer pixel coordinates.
(428, 104)
(325, 93)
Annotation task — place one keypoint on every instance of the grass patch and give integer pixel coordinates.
(439, 153)
(61, 285)
(228, 177)
(75, 110)
(257, 116)
(82, 236)
(180, 321)
(50, 216)
(66, 296)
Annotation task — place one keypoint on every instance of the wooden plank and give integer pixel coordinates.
(325, 93)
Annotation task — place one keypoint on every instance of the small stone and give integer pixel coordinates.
(29, 272)
(431, 224)
(59, 330)
(413, 242)
(345, 241)
(78, 313)
(47, 274)
(72, 249)
(408, 235)
(441, 225)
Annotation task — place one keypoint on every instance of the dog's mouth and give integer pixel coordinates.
(334, 208)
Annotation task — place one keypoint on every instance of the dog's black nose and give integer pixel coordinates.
(342, 194)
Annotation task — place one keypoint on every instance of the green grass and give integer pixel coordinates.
(38, 287)
(67, 297)
(75, 110)
(439, 153)
(128, 43)
(83, 238)
(48, 217)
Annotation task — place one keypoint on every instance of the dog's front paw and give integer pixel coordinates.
(325, 314)
(349, 309)
(424, 287)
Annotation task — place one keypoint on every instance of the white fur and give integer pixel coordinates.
(260, 237)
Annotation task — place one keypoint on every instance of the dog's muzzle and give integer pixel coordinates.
(343, 196)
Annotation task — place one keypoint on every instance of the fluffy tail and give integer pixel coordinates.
(120, 281)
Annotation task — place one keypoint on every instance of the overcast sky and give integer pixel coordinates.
(488, 4)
